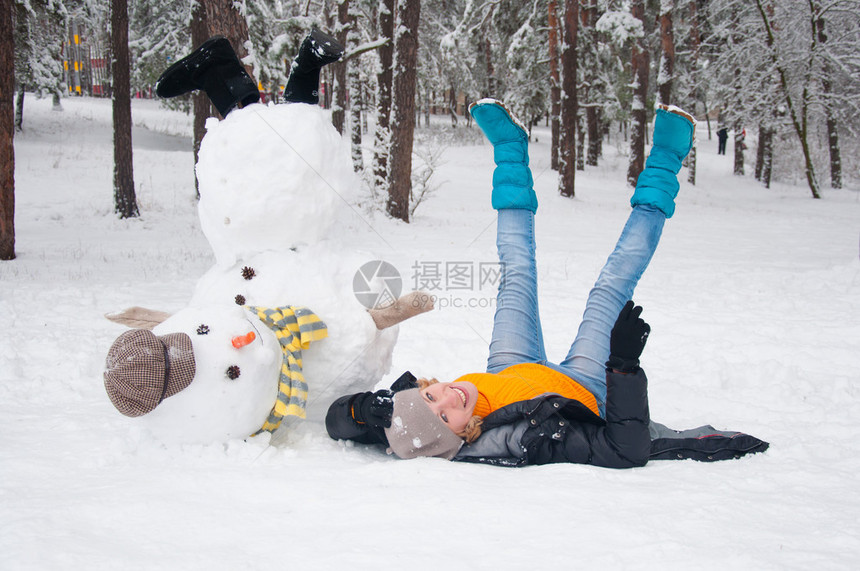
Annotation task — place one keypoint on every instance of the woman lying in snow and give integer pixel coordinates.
(592, 407)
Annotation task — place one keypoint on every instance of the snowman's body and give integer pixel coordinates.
(274, 180)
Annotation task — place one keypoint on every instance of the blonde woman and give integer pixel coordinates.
(592, 406)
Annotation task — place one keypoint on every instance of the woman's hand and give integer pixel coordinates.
(373, 409)
(627, 340)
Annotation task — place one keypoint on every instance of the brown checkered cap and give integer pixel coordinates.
(142, 369)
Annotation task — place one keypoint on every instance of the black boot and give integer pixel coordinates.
(317, 50)
(214, 68)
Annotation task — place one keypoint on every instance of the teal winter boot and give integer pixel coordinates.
(673, 138)
(512, 179)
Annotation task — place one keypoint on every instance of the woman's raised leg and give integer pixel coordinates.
(517, 336)
(653, 202)
(585, 362)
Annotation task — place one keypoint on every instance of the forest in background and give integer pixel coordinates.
(783, 72)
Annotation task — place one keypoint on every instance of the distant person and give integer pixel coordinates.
(722, 137)
(740, 140)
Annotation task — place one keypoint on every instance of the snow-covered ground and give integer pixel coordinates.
(752, 298)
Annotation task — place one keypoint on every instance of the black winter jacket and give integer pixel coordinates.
(551, 429)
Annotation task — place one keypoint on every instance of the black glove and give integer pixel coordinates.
(373, 409)
(627, 340)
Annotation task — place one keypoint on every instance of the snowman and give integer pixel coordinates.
(273, 331)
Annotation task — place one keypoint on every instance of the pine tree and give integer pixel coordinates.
(666, 71)
(569, 107)
(640, 62)
(592, 91)
(159, 34)
(384, 79)
(555, 83)
(125, 202)
(7, 128)
(403, 109)
(38, 68)
(357, 100)
(692, 88)
(827, 96)
(342, 29)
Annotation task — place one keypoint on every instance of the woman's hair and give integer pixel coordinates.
(473, 428)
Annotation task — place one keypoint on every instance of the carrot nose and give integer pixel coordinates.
(241, 340)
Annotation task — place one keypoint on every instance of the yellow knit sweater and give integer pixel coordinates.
(523, 382)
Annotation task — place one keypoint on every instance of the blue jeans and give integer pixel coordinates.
(517, 335)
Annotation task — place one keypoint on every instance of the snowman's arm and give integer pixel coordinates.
(410, 305)
(342, 425)
(138, 317)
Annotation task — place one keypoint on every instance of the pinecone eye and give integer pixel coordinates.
(203, 329)
(233, 372)
(248, 273)
(240, 299)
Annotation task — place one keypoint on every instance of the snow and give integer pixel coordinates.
(621, 26)
(752, 299)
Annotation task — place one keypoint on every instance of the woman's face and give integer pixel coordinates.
(452, 402)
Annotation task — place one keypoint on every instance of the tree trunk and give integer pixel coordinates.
(835, 154)
(19, 109)
(667, 53)
(590, 61)
(767, 157)
(382, 139)
(691, 165)
(125, 202)
(403, 115)
(427, 107)
(490, 88)
(593, 123)
(555, 84)
(740, 145)
(339, 69)
(356, 102)
(695, 43)
(567, 135)
(200, 102)
(640, 62)
(7, 132)
(580, 143)
(364, 97)
(759, 155)
(827, 88)
(737, 91)
(452, 105)
(224, 18)
(604, 125)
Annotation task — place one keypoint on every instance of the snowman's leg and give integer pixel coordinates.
(215, 69)
(318, 49)
(409, 305)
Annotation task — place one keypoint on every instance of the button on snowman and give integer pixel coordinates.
(274, 327)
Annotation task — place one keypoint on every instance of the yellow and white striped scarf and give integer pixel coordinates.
(295, 328)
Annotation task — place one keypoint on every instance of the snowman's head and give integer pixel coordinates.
(271, 178)
(236, 367)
